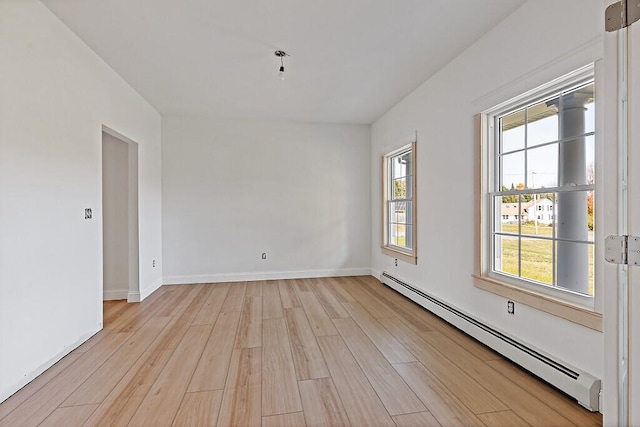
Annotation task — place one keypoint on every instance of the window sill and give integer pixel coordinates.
(411, 259)
(581, 316)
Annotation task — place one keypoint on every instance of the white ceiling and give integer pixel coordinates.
(351, 60)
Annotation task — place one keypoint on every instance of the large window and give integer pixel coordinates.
(399, 210)
(539, 195)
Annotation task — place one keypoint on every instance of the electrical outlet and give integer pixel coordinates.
(511, 307)
(264, 255)
(396, 262)
(153, 263)
(88, 213)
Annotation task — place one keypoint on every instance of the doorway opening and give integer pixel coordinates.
(120, 251)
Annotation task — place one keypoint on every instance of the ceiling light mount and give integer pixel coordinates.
(281, 54)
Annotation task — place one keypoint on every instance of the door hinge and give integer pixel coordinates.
(621, 14)
(622, 250)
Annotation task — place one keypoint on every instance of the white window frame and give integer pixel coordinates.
(398, 252)
(573, 306)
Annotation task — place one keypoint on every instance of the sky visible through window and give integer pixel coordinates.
(542, 162)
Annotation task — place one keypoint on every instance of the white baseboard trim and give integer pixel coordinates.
(114, 295)
(133, 296)
(148, 290)
(278, 275)
(8, 391)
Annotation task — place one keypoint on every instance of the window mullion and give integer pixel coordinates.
(555, 237)
(526, 149)
(520, 237)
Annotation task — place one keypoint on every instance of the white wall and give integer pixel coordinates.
(115, 217)
(55, 96)
(539, 42)
(233, 189)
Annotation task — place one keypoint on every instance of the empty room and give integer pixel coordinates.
(338, 213)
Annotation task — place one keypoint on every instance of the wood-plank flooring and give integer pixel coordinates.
(316, 352)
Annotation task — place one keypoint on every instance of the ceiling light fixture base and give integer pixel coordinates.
(281, 54)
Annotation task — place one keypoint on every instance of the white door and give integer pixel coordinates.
(621, 386)
(633, 58)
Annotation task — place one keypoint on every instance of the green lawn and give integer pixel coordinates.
(400, 238)
(543, 230)
(536, 259)
(537, 255)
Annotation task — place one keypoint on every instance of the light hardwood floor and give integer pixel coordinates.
(321, 352)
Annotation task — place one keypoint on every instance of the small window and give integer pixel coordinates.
(399, 210)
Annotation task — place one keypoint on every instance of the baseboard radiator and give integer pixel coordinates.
(582, 386)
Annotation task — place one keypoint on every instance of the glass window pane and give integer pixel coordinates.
(542, 123)
(527, 210)
(537, 218)
(401, 165)
(397, 212)
(401, 235)
(591, 269)
(576, 156)
(574, 264)
(590, 215)
(397, 168)
(401, 211)
(589, 118)
(406, 160)
(589, 114)
(512, 131)
(408, 237)
(572, 212)
(393, 233)
(577, 117)
(537, 260)
(506, 214)
(506, 255)
(512, 171)
(407, 213)
(590, 159)
(391, 214)
(499, 213)
(554, 214)
(542, 166)
(400, 188)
